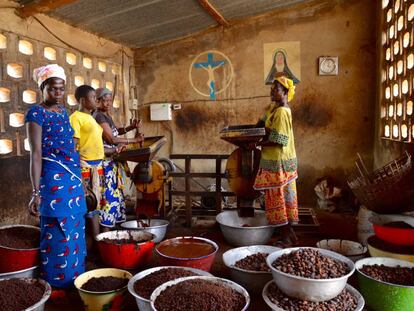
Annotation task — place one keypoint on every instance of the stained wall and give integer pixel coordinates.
(334, 116)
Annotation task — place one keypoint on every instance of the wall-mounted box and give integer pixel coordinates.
(160, 112)
(133, 104)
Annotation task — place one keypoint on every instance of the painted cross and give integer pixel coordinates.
(210, 66)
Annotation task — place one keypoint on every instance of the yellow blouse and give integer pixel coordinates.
(278, 164)
(89, 133)
(278, 123)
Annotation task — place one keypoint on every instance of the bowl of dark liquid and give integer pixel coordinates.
(193, 252)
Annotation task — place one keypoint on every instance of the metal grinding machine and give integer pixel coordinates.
(149, 176)
(243, 164)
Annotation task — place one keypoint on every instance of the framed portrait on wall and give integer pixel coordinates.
(281, 58)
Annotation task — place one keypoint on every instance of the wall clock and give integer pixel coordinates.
(328, 66)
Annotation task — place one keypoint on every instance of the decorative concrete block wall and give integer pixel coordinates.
(18, 57)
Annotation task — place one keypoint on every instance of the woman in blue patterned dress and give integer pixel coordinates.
(58, 196)
(114, 170)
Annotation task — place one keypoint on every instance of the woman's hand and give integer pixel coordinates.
(136, 124)
(250, 146)
(260, 123)
(34, 206)
(264, 143)
(140, 137)
(120, 148)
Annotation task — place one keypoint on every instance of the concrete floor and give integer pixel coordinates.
(331, 226)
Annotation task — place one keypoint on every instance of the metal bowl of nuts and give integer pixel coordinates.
(245, 231)
(248, 266)
(309, 273)
(200, 293)
(348, 299)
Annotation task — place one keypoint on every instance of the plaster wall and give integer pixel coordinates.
(334, 116)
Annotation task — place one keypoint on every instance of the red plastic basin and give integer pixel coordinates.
(399, 236)
(14, 259)
(126, 255)
(203, 262)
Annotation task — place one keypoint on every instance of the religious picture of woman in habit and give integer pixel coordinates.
(280, 68)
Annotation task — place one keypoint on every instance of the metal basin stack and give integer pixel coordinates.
(213, 279)
(157, 227)
(145, 304)
(245, 231)
(303, 288)
(390, 241)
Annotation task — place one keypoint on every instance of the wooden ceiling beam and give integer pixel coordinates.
(214, 13)
(42, 6)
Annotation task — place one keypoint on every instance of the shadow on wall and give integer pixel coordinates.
(198, 117)
(191, 119)
(311, 113)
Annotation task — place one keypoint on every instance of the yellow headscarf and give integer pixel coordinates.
(288, 84)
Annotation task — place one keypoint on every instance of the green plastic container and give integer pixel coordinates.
(383, 296)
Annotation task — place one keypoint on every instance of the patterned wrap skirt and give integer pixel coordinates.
(281, 201)
(93, 174)
(281, 204)
(62, 249)
(114, 195)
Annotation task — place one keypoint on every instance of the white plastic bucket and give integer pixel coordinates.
(364, 226)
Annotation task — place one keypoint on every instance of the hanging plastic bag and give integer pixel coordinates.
(327, 193)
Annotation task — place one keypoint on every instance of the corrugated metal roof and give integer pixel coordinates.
(232, 9)
(136, 23)
(139, 23)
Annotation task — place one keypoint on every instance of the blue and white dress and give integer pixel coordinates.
(63, 206)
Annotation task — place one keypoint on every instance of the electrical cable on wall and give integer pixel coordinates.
(73, 47)
(121, 50)
(201, 100)
(106, 58)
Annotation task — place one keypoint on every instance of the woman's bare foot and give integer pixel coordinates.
(293, 237)
(283, 243)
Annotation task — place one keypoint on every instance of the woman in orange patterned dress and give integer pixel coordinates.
(278, 165)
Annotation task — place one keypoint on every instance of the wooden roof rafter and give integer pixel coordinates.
(214, 13)
(42, 6)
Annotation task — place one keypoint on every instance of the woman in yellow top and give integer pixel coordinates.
(88, 139)
(278, 164)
